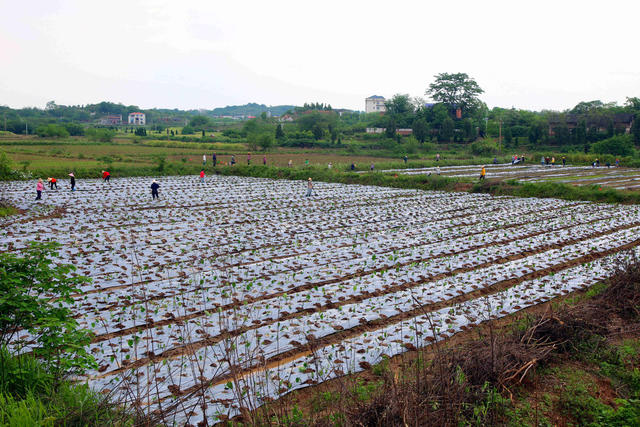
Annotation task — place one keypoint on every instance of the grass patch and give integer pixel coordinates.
(6, 209)
(32, 396)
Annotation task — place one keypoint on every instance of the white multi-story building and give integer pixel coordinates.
(374, 104)
(137, 119)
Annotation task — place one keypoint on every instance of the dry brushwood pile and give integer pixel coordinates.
(225, 294)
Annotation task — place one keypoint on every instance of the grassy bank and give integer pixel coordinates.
(31, 396)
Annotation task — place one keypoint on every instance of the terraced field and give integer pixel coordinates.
(618, 178)
(231, 292)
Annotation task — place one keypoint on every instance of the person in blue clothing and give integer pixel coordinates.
(154, 189)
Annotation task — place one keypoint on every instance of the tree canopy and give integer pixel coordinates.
(455, 90)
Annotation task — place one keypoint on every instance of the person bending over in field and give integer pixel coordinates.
(52, 183)
(106, 176)
(154, 189)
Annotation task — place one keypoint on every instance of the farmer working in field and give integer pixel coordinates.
(73, 181)
(483, 172)
(154, 189)
(52, 183)
(39, 188)
(309, 187)
(106, 176)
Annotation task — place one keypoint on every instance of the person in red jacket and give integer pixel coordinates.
(105, 176)
(202, 175)
(52, 183)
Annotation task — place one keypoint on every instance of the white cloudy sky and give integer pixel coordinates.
(205, 54)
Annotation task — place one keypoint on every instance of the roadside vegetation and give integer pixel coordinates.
(42, 349)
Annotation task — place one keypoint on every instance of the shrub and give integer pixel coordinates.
(6, 170)
(29, 283)
(52, 131)
(101, 135)
(484, 148)
(619, 145)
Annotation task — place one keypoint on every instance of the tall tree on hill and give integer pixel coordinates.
(455, 90)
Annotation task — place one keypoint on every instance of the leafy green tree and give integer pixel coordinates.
(561, 134)
(6, 166)
(508, 136)
(141, 132)
(52, 131)
(199, 122)
(161, 162)
(400, 110)
(421, 129)
(391, 127)
(33, 294)
(317, 131)
(588, 106)
(610, 128)
(455, 90)
(250, 127)
(635, 129)
(101, 135)
(535, 133)
(308, 121)
(280, 132)
(619, 145)
(581, 132)
(265, 141)
(469, 130)
(448, 129)
(74, 129)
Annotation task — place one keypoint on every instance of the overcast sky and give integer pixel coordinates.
(205, 54)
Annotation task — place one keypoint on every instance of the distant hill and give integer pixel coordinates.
(251, 109)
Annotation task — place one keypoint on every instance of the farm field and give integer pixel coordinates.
(618, 178)
(225, 294)
(123, 153)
